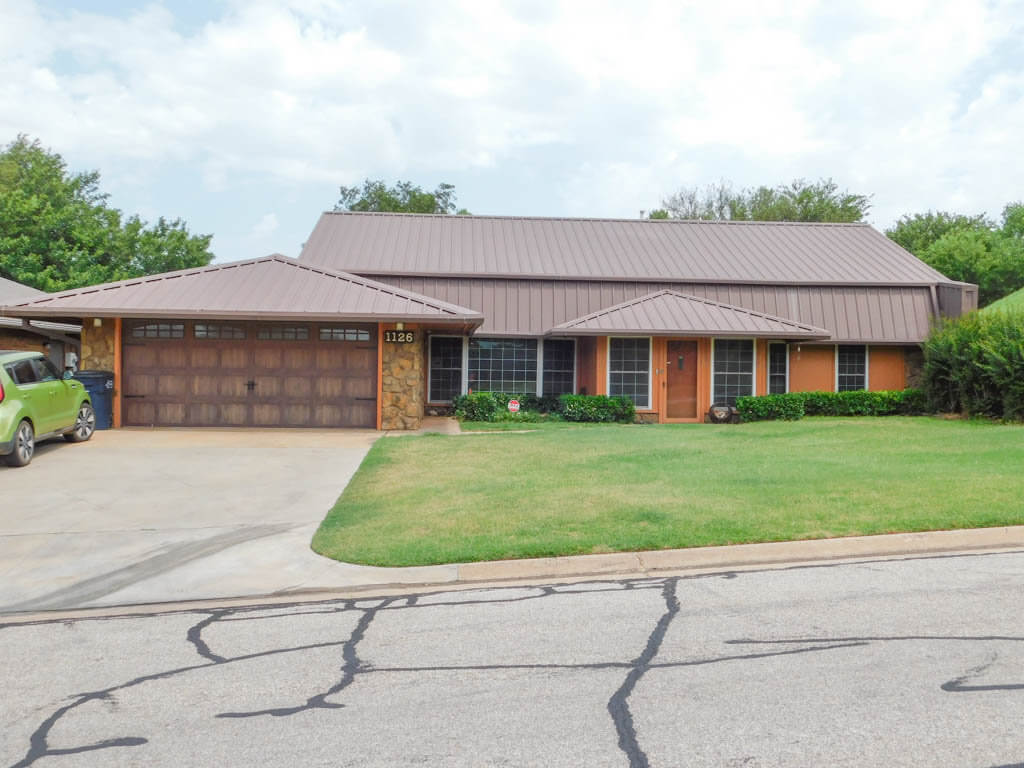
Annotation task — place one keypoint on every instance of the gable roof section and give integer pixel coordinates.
(612, 249)
(11, 291)
(271, 288)
(670, 313)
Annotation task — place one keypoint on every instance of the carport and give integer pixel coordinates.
(267, 342)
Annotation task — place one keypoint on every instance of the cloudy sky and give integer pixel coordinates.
(243, 118)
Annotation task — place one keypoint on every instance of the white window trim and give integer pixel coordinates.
(867, 368)
(465, 358)
(650, 376)
(430, 368)
(753, 370)
(540, 364)
(768, 365)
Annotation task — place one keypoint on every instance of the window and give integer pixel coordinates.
(778, 369)
(503, 365)
(284, 333)
(45, 370)
(22, 372)
(445, 368)
(733, 370)
(629, 370)
(217, 331)
(559, 366)
(344, 334)
(851, 368)
(159, 331)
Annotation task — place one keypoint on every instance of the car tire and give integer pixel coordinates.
(85, 425)
(24, 445)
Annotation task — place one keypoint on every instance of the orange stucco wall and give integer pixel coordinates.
(761, 367)
(886, 368)
(601, 365)
(812, 368)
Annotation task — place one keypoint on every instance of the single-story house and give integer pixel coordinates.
(33, 335)
(386, 317)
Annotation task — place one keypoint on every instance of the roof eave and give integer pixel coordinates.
(256, 315)
(819, 334)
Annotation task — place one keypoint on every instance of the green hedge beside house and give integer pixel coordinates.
(493, 406)
(794, 405)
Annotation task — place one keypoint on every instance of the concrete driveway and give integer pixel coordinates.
(154, 515)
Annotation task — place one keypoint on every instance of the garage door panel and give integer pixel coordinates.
(250, 381)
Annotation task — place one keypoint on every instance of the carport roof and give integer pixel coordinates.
(270, 288)
(672, 313)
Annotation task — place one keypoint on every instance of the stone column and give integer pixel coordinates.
(97, 345)
(402, 386)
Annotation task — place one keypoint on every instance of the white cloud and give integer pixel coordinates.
(608, 106)
(267, 225)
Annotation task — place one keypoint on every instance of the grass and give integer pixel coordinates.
(569, 489)
(1014, 302)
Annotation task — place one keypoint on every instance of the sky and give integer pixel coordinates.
(244, 118)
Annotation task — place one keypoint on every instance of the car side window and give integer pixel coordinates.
(45, 370)
(23, 373)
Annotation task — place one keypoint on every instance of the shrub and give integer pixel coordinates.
(599, 408)
(770, 407)
(794, 405)
(477, 406)
(493, 406)
(975, 365)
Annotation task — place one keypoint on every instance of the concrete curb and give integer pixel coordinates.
(618, 566)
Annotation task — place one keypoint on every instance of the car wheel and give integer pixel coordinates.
(24, 446)
(85, 425)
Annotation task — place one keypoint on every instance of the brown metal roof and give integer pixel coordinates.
(670, 312)
(612, 249)
(12, 291)
(852, 314)
(273, 287)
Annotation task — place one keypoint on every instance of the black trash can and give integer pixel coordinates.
(100, 386)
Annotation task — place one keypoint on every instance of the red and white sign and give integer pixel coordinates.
(513, 406)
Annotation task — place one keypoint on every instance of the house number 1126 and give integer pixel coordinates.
(399, 337)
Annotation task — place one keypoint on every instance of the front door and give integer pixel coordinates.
(681, 369)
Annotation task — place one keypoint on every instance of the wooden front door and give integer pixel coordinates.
(681, 377)
(231, 374)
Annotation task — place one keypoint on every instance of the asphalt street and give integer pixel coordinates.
(902, 662)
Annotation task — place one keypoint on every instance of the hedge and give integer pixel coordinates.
(493, 406)
(975, 365)
(794, 405)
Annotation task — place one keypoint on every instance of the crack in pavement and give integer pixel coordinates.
(352, 666)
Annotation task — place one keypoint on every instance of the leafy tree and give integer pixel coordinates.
(403, 197)
(58, 232)
(658, 213)
(800, 200)
(971, 249)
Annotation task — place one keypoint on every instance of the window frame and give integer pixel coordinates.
(172, 330)
(219, 326)
(537, 361)
(269, 328)
(430, 365)
(540, 364)
(768, 366)
(753, 364)
(867, 368)
(650, 373)
(362, 334)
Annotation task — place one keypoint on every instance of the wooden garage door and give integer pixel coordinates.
(228, 374)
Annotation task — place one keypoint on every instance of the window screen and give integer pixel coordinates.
(445, 368)
(851, 368)
(559, 366)
(629, 370)
(733, 370)
(503, 365)
(778, 366)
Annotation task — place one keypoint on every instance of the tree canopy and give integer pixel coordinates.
(972, 249)
(403, 197)
(58, 232)
(800, 200)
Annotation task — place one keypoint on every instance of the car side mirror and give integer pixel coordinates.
(68, 375)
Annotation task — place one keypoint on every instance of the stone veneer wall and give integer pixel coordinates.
(402, 386)
(97, 345)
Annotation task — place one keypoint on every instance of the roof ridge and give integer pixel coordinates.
(613, 219)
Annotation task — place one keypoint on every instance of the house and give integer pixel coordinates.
(52, 338)
(385, 317)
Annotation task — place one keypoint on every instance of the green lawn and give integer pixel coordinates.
(1015, 301)
(569, 489)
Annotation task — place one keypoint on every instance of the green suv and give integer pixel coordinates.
(37, 402)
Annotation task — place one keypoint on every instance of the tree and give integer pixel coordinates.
(971, 249)
(58, 232)
(404, 197)
(799, 200)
